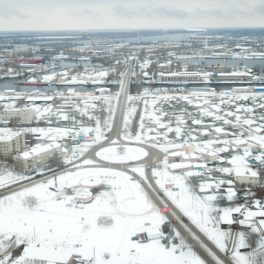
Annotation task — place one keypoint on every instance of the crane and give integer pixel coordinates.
(215, 74)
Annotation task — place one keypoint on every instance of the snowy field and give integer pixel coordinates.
(131, 154)
(77, 230)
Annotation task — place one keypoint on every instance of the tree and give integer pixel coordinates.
(175, 241)
(30, 201)
(252, 238)
(259, 258)
(259, 192)
(166, 227)
(183, 243)
(167, 245)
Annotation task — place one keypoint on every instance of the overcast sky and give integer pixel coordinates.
(126, 14)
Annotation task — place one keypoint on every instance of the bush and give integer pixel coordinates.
(167, 245)
(106, 255)
(175, 241)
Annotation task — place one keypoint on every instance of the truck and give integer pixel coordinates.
(153, 234)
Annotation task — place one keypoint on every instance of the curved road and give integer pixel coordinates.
(203, 246)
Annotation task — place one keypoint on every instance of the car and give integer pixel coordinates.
(80, 206)
(147, 224)
(38, 175)
(131, 162)
(174, 220)
(185, 219)
(131, 143)
(69, 205)
(140, 180)
(55, 189)
(143, 241)
(148, 168)
(135, 238)
(161, 194)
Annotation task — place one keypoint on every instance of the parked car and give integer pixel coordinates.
(148, 168)
(174, 220)
(69, 205)
(76, 155)
(140, 180)
(161, 194)
(185, 219)
(134, 238)
(54, 189)
(80, 206)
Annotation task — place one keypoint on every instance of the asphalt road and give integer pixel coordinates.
(206, 249)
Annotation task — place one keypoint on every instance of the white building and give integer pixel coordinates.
(39, 255)
(39, 157)
(245, 175)
(11, 142)
(25, 115)
(179, 77)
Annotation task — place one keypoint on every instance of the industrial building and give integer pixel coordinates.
(179, 77)
(235, 76)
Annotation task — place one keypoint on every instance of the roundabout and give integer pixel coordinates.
(120, 154)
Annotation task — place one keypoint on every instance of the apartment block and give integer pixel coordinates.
(39, 157)
(11, 142)
(25, 115)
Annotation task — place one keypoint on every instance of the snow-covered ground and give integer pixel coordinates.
(57, 225)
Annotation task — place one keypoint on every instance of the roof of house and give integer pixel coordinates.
(226, 218)
(39, 149)
(49, 255)
(245, 172)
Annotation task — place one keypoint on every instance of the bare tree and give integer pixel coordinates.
(183, 244)
(105, 220)
(30, 201)
(259, 258)
(252, 238)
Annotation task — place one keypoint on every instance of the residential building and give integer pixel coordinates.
(11, 142)
(39, 255)
(39, 157)
(245, 175)
(185, 157)
(25, 115)
(209, 155)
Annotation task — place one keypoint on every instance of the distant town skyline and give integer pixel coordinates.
(118, 14)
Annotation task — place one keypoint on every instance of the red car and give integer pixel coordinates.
(174, 220)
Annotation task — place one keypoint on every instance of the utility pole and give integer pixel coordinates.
(56, 185)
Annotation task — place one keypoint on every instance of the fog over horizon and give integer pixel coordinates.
(100, 14)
